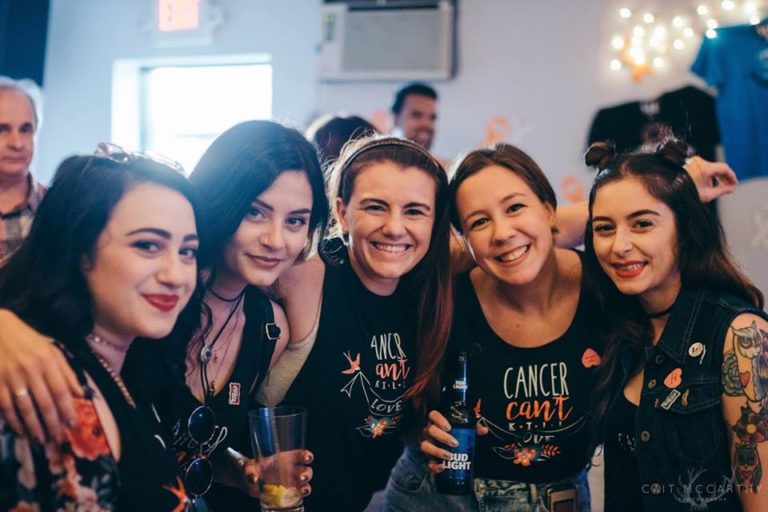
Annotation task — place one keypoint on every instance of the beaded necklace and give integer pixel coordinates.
(112, 373)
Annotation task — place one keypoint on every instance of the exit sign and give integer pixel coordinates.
(175, 15)
(179, 23)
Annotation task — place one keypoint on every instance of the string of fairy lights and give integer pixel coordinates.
(645, 41)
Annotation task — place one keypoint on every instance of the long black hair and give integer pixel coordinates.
(43, 281)
(702, 257)
(239, 165)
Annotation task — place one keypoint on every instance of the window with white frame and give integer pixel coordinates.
(183, 108)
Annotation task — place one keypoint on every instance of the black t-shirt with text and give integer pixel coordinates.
(354, 385)
(535, 401)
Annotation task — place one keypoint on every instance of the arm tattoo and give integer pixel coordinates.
(731, 384)
(745, 373)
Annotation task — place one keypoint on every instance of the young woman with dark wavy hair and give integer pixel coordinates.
(111, 256)
(683, 391)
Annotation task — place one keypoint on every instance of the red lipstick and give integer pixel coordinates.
(163, 302)
(629, 269)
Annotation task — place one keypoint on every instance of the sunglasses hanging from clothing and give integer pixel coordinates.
(202, 424)
(201, 427)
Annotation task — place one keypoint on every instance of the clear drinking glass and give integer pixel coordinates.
(278, 435)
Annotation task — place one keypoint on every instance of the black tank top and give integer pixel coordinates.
(232, 403)
(534, 400)
(354, 384)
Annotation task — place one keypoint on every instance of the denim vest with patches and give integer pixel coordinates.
(682, 439)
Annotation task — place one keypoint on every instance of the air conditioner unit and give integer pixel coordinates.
(399, 41)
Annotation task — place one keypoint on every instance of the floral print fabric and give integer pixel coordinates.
(79, 474)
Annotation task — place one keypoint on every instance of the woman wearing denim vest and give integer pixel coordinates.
(683, 389)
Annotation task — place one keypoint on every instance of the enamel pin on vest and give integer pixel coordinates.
(697, 350)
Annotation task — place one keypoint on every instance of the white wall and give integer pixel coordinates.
(542, 64)
(86, 36)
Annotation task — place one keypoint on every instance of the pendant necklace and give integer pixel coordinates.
(206, 353)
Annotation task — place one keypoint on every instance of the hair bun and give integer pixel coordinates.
(600, 155)
(673, 150)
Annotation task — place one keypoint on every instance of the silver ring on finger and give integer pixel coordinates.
(21, 393)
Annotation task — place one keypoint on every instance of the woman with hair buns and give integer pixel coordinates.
(682, 399)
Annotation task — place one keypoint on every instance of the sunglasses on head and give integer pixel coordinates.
(121, 155)
(201, 427)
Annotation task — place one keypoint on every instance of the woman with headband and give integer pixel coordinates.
(367, 317)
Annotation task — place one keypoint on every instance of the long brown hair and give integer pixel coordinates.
(430, 279)
(702, 256)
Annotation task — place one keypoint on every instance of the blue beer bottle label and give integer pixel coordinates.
(459, 468)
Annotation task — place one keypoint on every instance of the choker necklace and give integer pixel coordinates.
(224, 299)
(660, 313)
(114, 346)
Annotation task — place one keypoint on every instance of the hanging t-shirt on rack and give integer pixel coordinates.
(689, 112)
(736, 62)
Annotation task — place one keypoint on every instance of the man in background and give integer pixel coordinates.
(414, 112)
(20, 194)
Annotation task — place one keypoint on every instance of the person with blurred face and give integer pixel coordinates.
(19, 193)
(414, 112)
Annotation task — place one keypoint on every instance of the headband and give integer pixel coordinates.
(385, 142)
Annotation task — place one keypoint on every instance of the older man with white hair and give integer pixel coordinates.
(20, 194)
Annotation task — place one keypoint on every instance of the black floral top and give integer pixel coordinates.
(78, 474)
(82, 473)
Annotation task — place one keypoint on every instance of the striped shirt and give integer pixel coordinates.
(14, 225)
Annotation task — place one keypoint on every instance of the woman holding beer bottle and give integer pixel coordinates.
(524, 316)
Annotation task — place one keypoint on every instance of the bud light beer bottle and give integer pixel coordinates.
(456, 477)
